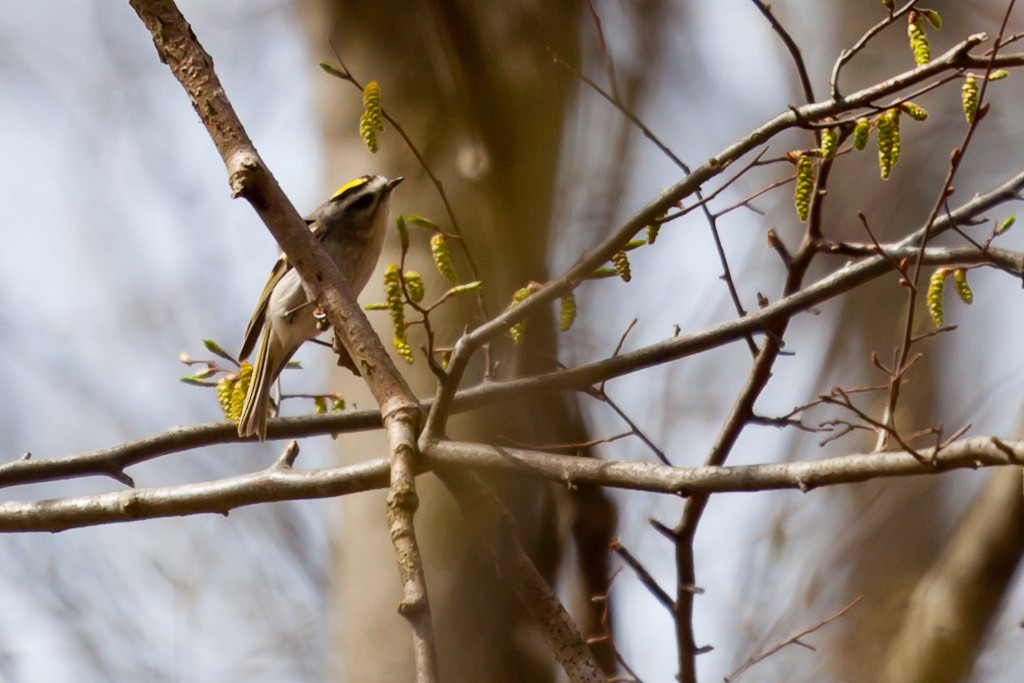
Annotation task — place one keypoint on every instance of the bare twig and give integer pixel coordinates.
(846, 55)
(794, 50)
(739, 417)
(795, 639)
(649, 582)
(494, 528)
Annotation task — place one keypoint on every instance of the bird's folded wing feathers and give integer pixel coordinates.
(259, 316)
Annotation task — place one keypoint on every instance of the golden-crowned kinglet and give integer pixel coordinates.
(351, 227)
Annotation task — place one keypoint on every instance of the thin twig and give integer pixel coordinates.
(792, 640)
(907, 341)
(846, 55)
(649, 582)
(794, 49)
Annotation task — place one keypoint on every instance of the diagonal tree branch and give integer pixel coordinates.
(178, 47)
(955, 58)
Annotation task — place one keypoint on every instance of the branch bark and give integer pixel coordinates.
(284, 483)
(178, 47)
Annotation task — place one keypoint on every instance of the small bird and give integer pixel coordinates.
(351, 226)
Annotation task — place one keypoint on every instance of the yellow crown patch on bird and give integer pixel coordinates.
(348, 186)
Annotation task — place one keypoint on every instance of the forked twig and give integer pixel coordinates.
(792, 640)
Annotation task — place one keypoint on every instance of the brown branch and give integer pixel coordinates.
(178, 47)
(794, 639)
(848, 54)
(112, 461)
(794, 50)
(803, 475)
(276, 483)
(739, 417)
(279, 483)
(907, 341)
(649, 582)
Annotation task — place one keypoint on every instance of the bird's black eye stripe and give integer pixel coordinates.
(363, 203)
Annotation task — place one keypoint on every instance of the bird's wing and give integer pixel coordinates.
(259, 316)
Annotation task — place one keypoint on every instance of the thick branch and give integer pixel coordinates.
(279, 483)
(178, 47)
(113, 461)
(804, 475)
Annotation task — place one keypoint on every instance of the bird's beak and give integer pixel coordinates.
(393, 183)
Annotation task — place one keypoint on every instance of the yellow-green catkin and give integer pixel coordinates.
(621, 263)
(372, 120)
(998, 75)
(804, 186)
(443, 258)
(935, 286)
(914, 111)
(238, 390)
(860, 133)
(459, 290)
(962, 288)
(567, 312)
(393, 295)
(918, 40)
(1006, 225)
(969, 97)
(829, 143)
(414, 285)
(888, 125)
(897, 144)
(403, 348)
(518, 330)
(320, 405)
(224, 387)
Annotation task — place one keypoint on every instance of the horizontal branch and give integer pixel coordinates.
(113, 461)
(276, 483)
(282, 482)
(972, 453)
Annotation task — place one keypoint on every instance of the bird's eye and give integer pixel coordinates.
(363, 203)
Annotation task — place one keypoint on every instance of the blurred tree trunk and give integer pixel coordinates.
(473, 86)
(956, 601)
